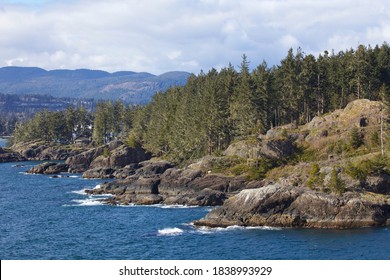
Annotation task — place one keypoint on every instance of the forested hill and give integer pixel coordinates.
(130, 87)
(217, 108)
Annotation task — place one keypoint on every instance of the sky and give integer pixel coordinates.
(157, 36)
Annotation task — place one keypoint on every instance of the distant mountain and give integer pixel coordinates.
(130, 87)
(29, 104)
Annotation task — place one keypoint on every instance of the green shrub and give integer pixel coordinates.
(335, 183)
(132, 140)
(314, 176)
(255, 169)
(284, 134)
(376, 165)
(106, 152)
(375, 139)
(356, 138)
(239, 169)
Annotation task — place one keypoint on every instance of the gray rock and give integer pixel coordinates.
(378, 184)
(7, 155)
(49, 168)
(172, 186)
(103, 173)
(284, 206)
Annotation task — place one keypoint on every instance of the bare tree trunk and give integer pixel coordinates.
(382, 148)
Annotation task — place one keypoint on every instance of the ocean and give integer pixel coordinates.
(52, 218)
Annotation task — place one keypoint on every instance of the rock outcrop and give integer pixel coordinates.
(287, 206)
(38, 150)
(7, 155)
(49, 168)
(158, 182)
(277, 149)
(113, 155)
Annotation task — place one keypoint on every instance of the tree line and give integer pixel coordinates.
(215, 108)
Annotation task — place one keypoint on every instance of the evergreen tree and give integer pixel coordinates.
(244, 115)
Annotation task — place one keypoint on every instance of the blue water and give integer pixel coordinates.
(49, 218)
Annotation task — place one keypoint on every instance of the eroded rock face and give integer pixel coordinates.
(81, 162)
(159, 182)
(114, 155)
(378, 184)
(119, 157)
(278, 149)
(285, 206)
(49, 168)
(10, 156)
(44, 151)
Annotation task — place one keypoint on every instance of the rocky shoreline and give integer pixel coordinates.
(241, 202)
(302, 194)
(286, 206)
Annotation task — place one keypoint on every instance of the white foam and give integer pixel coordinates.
(74, 176)
(29, 174)
(81, 192)
(127, 205)
(265, 228)
(176, 206)
(170, 231)
(208, 230)
(97, 187)
(87, 202)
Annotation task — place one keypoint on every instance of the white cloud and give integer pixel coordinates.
(166, 35)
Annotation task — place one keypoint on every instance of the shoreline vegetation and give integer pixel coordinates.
(304, 144)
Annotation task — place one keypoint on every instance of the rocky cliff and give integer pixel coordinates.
(309, 176)
(288, 206)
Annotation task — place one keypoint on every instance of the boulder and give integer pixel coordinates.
(114, 155)
(278, 149)
(378, 184)
(244, 149)
(49, 168)
(81, 162)
(103, 173)
(150, 168)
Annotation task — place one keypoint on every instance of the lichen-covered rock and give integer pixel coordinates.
(278, 149)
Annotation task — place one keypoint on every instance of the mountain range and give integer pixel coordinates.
(130, 87)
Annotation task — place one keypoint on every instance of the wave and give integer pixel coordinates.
(176, 206)
(170, 232)
(210, 230)
(86, 202)
(29, 174)
(80, 192)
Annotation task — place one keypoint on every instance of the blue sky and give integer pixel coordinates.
(190, 35)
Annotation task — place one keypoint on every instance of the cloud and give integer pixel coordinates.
(180, 35)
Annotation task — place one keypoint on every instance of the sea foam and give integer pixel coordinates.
(86, 202)
(170, 231)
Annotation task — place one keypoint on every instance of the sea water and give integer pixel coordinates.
(52, 218)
